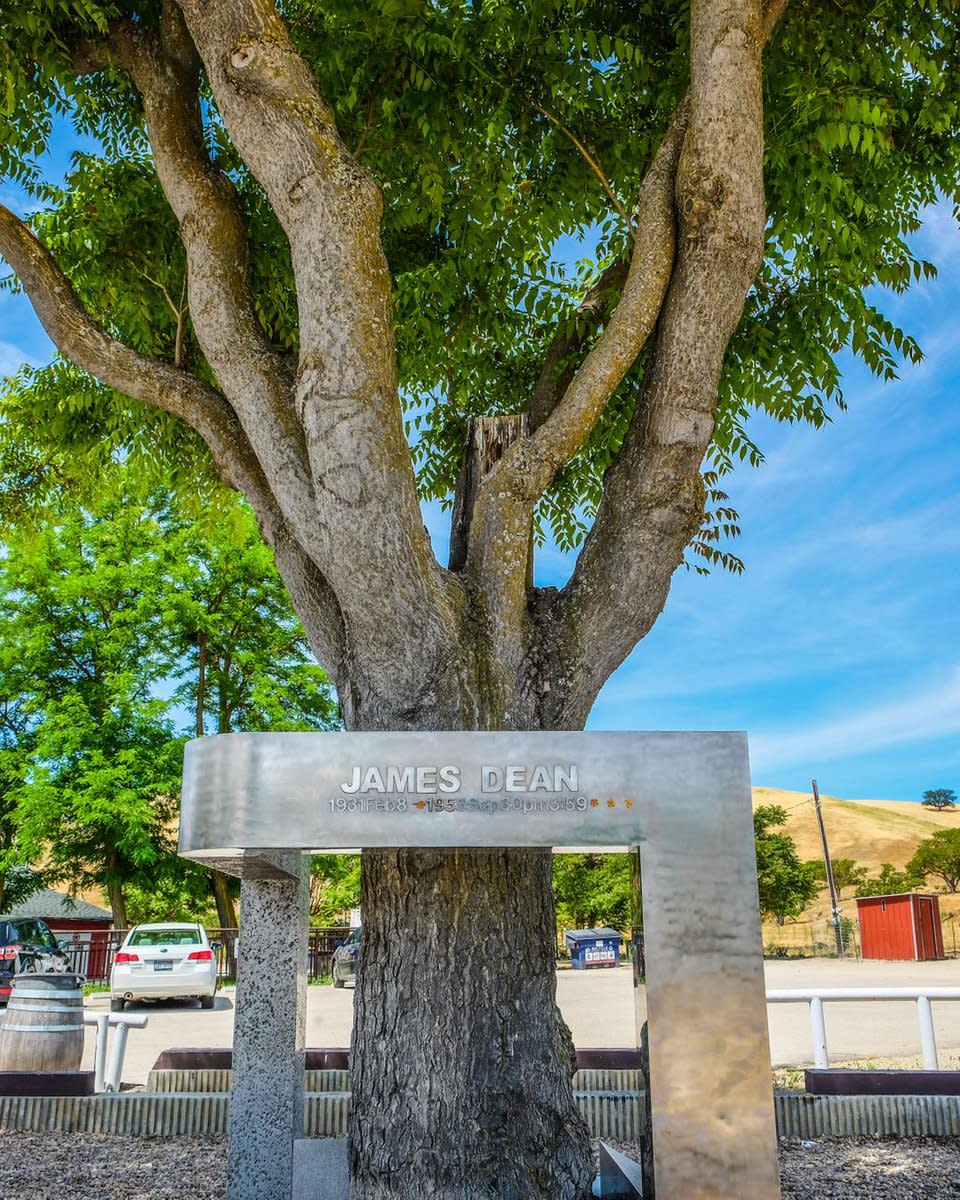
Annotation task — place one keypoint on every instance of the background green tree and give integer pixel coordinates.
(786, 885)
(939, 798)
(120, 616)
(889, 881)
(847, 873)
(242, 659)
(939, 856)
(17, 880)
(334, 887)
(592, 890)
(83, 648)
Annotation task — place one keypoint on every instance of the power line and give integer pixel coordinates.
(803, 803)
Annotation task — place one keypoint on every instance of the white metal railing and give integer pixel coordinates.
(104, 1079)
(815, 997)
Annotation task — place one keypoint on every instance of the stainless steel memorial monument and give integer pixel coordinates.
(255, 804)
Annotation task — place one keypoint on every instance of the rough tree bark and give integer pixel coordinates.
(462, 1066)
(115, 896)
(462, 1069)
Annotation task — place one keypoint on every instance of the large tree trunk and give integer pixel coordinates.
(462, 1066)
(226, 905)
(118, 903)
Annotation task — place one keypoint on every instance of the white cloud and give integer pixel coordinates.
(12, 358)
(12, 199)
(939, 236)
(927, 712)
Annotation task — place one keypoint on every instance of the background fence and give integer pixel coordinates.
(92, 953)
(810, 939)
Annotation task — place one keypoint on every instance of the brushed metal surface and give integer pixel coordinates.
(714, 1135)
(620, 1176)
(683, 798)
(268, 791)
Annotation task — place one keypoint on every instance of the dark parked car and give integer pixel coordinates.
(345, 959)
(27, 945)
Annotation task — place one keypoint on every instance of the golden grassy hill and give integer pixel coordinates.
(871, 832)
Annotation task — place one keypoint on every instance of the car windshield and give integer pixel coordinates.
(164, 937)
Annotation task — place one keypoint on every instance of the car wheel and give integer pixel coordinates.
(337, 981)
(206, 1002)
(117, 1004)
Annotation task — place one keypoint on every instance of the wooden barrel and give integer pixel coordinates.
(42, 1028)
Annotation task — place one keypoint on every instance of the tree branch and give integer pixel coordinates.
(501, 529)
(653, 495)
(558, 370)
(568, 426)
(594, 166)
(559, 365)
(345, 392)
(164, 67)
(88, 346)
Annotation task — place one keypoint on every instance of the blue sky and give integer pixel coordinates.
(839, 648)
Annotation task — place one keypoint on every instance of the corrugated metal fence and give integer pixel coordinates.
(609, 1114)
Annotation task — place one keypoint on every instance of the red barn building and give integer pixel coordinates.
(902, 927)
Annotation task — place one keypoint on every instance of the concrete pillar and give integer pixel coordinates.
(266, 1101)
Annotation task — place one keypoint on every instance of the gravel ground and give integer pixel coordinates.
(870, 1169)
(51, 1166)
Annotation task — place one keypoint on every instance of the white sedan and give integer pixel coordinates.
(163, 962)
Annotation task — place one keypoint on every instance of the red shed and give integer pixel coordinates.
(904, 927)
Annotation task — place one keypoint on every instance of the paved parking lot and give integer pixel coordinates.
(598, 1006)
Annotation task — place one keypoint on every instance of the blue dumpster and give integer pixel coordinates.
(593, 947)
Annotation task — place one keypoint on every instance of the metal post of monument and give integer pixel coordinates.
(640, 1019)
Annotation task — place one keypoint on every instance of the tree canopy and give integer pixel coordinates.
(786, 885)
(939, 856)
(592, 890)
(508, 216)
(939, 798)
(847, 873)
(889, 881)
(539, 260)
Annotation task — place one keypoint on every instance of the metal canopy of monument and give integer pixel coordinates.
(255, 804)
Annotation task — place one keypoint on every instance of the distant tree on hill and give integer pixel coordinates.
(786, 885)
(889, 882)
(939, 798)
(939, 855)
(846, 873)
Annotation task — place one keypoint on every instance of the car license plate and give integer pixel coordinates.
(163, 964)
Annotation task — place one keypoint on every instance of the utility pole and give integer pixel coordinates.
(834, 903)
